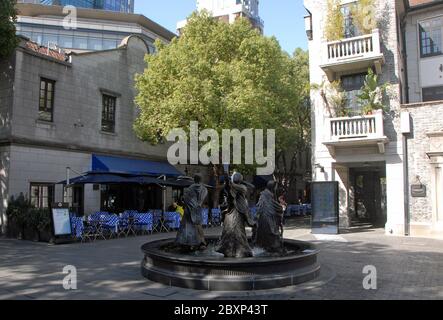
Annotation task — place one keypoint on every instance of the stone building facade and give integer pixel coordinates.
(425, 167)
(35, 150)
(379, 159)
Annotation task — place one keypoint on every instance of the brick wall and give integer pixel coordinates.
(426, 119)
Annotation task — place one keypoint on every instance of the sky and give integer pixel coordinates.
(283, 18)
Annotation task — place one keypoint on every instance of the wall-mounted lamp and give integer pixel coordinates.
(308, 26)
(319, 166)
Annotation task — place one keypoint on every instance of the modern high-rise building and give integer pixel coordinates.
(230, 10)
(94, 29)
(111, 5)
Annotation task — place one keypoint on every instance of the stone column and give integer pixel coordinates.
(395, 198)
(341, 174)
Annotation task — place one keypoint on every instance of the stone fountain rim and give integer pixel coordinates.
(152, 249)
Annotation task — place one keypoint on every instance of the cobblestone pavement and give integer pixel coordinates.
(407, 268)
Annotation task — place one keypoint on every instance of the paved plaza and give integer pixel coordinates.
(407, 268)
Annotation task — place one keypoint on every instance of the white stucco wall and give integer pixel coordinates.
(391, 73)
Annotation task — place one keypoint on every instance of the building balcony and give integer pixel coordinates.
(352, 54)
(359, 131)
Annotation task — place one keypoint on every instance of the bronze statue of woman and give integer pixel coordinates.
(270, 221)
(191, 235)
(235, 216)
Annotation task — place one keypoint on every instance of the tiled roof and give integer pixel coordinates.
(56, 54)
(414, 3)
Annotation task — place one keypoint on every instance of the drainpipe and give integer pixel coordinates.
(406, 123)
(406, 129)
(405, 57)
(406, 185)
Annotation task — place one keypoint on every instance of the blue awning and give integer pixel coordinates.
(133, 166)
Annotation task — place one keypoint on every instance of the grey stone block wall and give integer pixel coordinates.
(35, 151)
(6, 101)
(6, 95)
(78, 100)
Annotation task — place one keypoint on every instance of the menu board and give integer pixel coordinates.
(325, 210)
(61, 220)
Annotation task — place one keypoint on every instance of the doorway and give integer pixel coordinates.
(78, 193)
(369, 201)
(75, 196)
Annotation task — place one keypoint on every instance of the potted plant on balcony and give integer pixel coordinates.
(371, 94)
(334, 26)
(334, 98)
(363, 16)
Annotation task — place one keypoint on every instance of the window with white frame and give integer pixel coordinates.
(42, 195)
(431, 35)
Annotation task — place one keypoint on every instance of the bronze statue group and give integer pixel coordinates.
(267, 228)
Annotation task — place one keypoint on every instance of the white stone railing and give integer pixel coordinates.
(362, 127)
(364, 46)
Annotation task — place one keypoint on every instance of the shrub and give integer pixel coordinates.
(23, 216)
(17, 212)
(39, 221)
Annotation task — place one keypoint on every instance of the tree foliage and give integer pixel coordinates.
(225, 76)
(294, 139)
(8, 38)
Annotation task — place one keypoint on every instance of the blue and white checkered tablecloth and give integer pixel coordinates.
(216, 215)
(173, 220)
(145, 221)
(111, 223)
(77, 226)
(205, 216)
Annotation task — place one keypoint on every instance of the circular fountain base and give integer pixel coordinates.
(213, 272)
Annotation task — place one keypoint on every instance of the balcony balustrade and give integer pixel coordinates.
(356, 131)
(352, 54)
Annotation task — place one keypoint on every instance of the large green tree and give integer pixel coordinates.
(224, 76)
(294, 141)
(8, 38)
